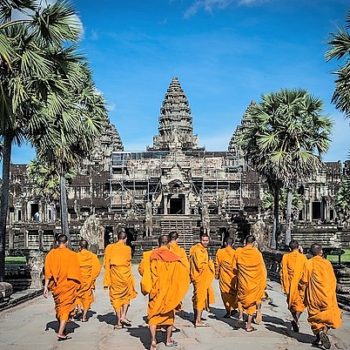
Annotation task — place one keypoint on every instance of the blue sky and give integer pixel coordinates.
(225, 53)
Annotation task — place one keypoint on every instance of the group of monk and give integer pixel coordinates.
(166, 276)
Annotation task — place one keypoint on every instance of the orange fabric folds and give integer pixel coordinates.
(292, 267)
(202, 274)
(118, 274)
(251, 278)
(318, 289)
(90, 268)
(62, 269)
(167, 287)
(227, 275)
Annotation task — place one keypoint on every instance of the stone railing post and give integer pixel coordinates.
(35, 259)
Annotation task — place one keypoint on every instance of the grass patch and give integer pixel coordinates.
(344, 258)
(15, 260)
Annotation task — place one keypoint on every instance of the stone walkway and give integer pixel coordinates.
(32, 326)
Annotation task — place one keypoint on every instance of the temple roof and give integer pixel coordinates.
(175, 121)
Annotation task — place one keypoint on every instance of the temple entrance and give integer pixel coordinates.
(177, 205)
(316, 210)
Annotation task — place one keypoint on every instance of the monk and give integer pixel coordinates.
(62, 278)
(202, 273)
(167, 290)
(227, 276)
(292, 267)
(119, 279)
(90, 269)
(251, 281)
(318, 289)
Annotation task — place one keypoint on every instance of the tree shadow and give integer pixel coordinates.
(109, 318)
(70, 327)
(300, 337)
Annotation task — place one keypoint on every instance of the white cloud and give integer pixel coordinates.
(94, 35)
(210, 5)
(111, 107)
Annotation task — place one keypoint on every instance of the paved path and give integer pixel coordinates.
(31, 326)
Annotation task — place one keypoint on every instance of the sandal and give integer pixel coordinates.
(125, 323)
(118, 326)
(325, 340)
(172, 344)
(248, 330)
(153, 346)
(62, 338)
(202, 324)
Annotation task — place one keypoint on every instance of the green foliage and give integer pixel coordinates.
(285, 135)
(342, 199)
(297, 201)
(340, 50)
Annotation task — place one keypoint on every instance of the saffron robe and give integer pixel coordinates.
(251, 278)
(227, 276)
(202, 273)
(90, 269)
(167, 287)
(118, 274)
(292, 267)
(145, 272)
(63, 272)
(318, 289)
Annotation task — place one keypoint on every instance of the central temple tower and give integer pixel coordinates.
(175, 122)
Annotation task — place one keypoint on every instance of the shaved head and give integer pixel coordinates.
(250, 239)
(62, 239)
(83, 244)
(173, 236)
(163, 240)
(293, 245)
(316, 249)
(228, 242)
(122, 235)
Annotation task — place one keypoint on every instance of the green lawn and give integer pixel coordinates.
(15, 260)
(344, 258)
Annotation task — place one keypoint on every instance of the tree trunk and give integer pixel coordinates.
(275, 231)
(4, 200)
(64, 209)
(288, 236)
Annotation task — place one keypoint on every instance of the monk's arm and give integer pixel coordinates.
(217, 266)
(48, 274)
(284, 275)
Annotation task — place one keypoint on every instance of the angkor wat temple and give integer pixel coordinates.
(173, 185)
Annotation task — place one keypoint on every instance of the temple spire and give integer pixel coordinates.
(175, 122)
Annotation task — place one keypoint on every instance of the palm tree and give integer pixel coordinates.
(71, 133)
(340, 49)
(342, 200)
(283, 139)
(26, 72)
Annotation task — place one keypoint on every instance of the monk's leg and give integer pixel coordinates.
(258, 318)
(84, 318)
(324, 338)
(249, 326)
(153, 330)
(198, 319)
(169, 333)
(119, 318)
(62, 328)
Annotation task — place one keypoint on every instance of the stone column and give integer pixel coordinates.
(165, 204)
(310, 211)
(35, 260)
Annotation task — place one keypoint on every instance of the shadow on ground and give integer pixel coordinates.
(70, 328)
(109, 318)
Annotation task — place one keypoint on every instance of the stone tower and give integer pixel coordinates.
(175, 122)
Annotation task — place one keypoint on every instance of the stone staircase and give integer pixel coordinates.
(184, 225)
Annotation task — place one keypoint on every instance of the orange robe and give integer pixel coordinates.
(202, 274)
(145, 272)
(251, 278)
(118, 274)
(63, 272)
(90, 269)
(167, 287)
(317, 287)
(227, 276)
(180, 252)
(292, 267)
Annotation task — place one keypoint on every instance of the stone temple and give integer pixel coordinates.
(175, 184)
